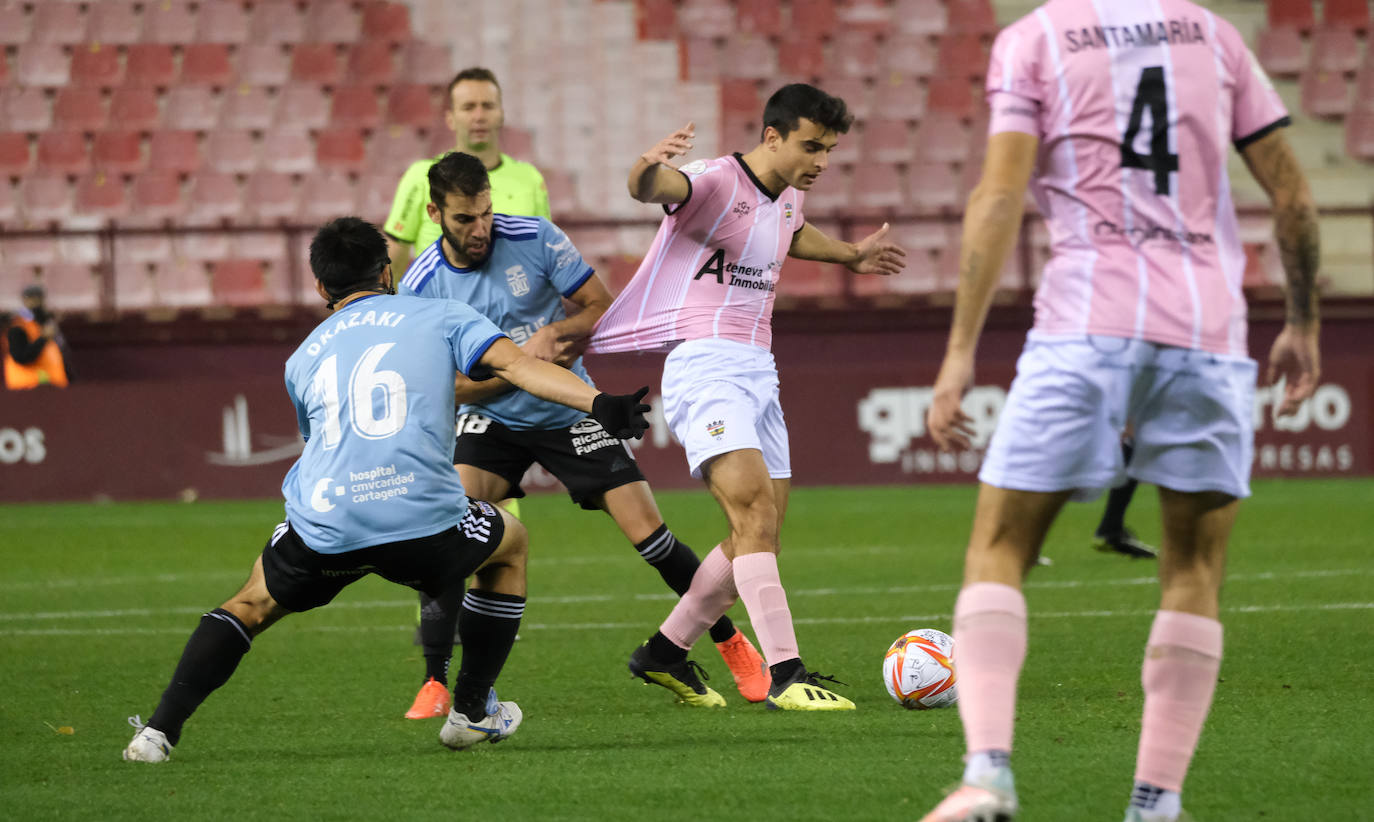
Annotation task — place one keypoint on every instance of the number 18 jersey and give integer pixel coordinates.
(373, 390)
(1136, 105)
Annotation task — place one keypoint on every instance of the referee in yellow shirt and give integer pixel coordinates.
(475, 116)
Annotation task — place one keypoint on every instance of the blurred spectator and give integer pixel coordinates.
(34, 351)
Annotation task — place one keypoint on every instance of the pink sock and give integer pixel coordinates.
(756, 577)
(711, 594)
(989, 647)
(1182, 660)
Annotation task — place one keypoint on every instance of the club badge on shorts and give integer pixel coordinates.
(716, 428)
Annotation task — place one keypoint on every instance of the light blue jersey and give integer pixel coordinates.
(520, 287)
(373, 390)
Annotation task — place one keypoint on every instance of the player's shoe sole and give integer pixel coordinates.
(804, 692)
(148, 744)
(433, 701)
(681, 678)
(501, 721)
(992, 801)
(746, 666)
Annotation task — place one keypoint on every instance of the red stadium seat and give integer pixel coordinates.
(114, 22)
(878, 188)
(45, 197)
(171, 21)
(9, 207)
(808, 279)
(1296, 13)
(271, 195)
(214, 197)
(961, 54)
(1324, 94)
(135, 109)
(331, 195)
(15, 158)
(71, 287)
(96, 65)
(801, 57)
(386, 21)
(705, 18)
(194, 108)
(340, 149)
(239, 283)
(1280, 51)
(63, 152)
(830, 194)
(101, 195)
(276, 21)
(953, 95)
(263, 64)
(25, 109)
(760, 17)
(371, 63)
(332, 21)
(376, 192)
(908, 56)
(751, 56)
(289, 152)
(150, 64)
(854, 91)
(42, 64)
(78, 108)
(118, 152)
(412, 105)
(62, 23)
(971, 16)
(899, 100)
(1335, 49)
(302, 106)
(134, 286)
(202, 246)
(315, 63)
(175, 151)
(853, 54)
(182, 282)
(231, 151)
(249, 107)
(1352, 14)
(738, 130)
(934, 187)
(887, 141)
(864, 15)
(740, 98)
(656, 19)
(701, 59)
(942, 138)
(157, 195)
(222, 23)
(813, 18)
(207, 64)
(1359, 135)
(920, 17)
(426, 62)
(393, 148)
(30, 251)
(355, 107)
(15, 25)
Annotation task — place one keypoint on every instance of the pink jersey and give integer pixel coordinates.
(712, 268)
(1135, 104)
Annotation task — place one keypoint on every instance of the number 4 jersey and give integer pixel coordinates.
(1136, 106)
(373, 390)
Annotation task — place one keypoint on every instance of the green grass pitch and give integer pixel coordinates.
(96, 603)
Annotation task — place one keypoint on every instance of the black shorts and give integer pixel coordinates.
(587, 460)
(300, 579)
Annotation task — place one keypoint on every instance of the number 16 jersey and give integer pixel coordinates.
(1136, 105)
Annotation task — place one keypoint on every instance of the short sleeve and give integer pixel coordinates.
(302, 413)
(1256, 109)
(469, 335)
(408, 206)
(562, 261)
(1014, 89)
(702, 178)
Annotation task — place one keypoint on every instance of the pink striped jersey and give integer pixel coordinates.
(1135, 104)
(712, 268)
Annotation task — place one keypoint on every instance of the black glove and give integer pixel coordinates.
(622, 415)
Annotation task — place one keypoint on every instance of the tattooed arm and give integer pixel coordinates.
(1295, 355)
(991, 222)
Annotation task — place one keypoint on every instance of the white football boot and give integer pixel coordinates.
(148, 745)
(501, 720)
(992, 798)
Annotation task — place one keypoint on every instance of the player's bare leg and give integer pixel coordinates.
(1183, 654)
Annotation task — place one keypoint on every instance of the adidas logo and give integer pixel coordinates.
(818, 695)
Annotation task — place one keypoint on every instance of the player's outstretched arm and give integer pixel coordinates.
(652, 180)
(622, 415)
(991, 222)
(1295, 356)
(563, 342)
(874, 254)
(467, 390)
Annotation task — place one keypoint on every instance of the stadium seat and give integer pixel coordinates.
(182, 282)
(739, 98)
(276, 21)
(1353, 14)
(207, 64)
(231, 151)
(15, 25)
(332, 21)
(701, 59)
(952, 95)
(331, 195)
(1359, 135)
(854, 91)
(656, 19)
(941, 138)
(25, 109)
(62, 152)
(751, 56)
(961, 54)
(171, 22)
(315, 63)
(263, 64)
(78, 108)
(239, 283)
(45, 197)
(801, 58)
(270, 196)
(340, 149)
(372, 64)
(355, 107)
(934, 187)
(193, 108)
(60, 23)
(813, 18)
(28, 251)
(831, 193)
(96, 65)
(289, 152)
(222, 23)
(9, 207)
(853, 54)
(249, 107)
(100, 195)
(135, 109)
(864, 15)
(114, 22)
(1324, 94)
(887, 141)
(971, 16)
(759, 17)
(426, 62)
(377, 190)
(1335, 49)
(900, 100)
(412, 106)
(81, 248)
(1280, 51)
(920, 17)
(1296, 13)
(705, 18)
(150, 64)
(214, 196)
(386, 21)
(71, 287)
(15, 157)
(134, 289)
(176, 151)
(391, 149)
(42, 64)
(809, 279)
(141, 248)
(268, 247)
(908, 56)
(206, 245)
(878, 188)
(302, 106)
(156, 195)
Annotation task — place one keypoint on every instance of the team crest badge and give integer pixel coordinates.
(518, 282)
(787, 211)
(694, 167)
(716, 428)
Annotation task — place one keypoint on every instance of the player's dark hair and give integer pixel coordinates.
(347, 255)
(789, 104)
(457, 173)
(471, 73)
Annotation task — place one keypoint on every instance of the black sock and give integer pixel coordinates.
(677, 563)
(662, 649)
(438, 617)
(487, 624)
(786, 669)
(211, 655)
(1114, 517)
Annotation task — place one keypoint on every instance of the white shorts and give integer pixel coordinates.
(1193, 414)
(721, 396)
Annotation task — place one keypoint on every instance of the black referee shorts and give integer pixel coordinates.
(587, 460)
(299, 578)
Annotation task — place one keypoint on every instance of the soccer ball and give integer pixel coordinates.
(919, 670)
